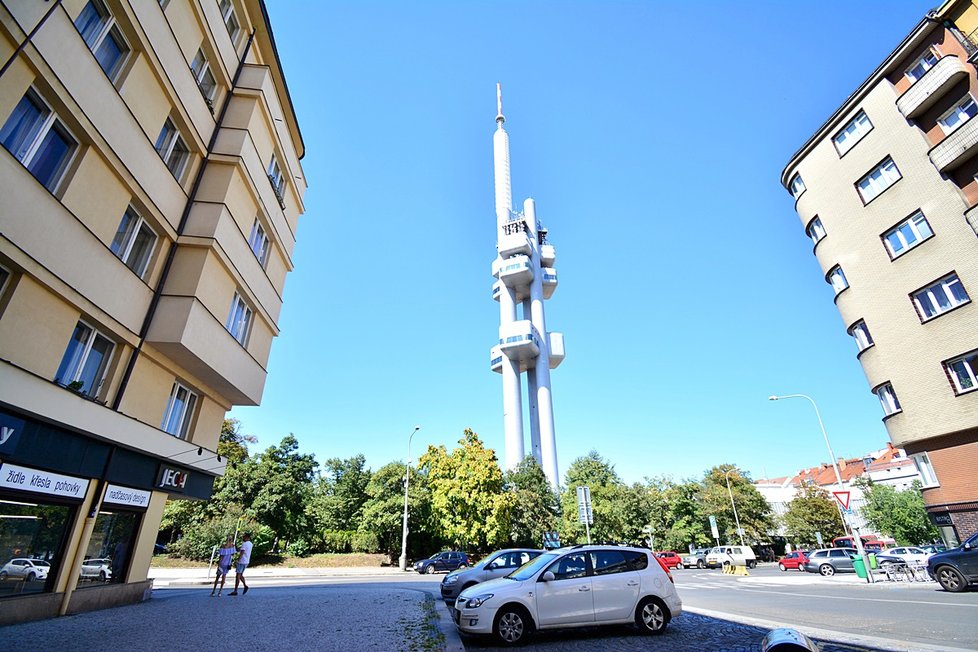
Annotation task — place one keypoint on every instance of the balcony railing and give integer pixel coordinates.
(956, 148)
(932, 86)
(278, 189)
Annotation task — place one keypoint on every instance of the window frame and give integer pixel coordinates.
(857, 135)
(868, 177)
(5, 275)
(914, 226)
(198, 75)
(888, 399)
(793, 184)
(866, 342)
(811, 227)
(925, 468)
(189, 408)
(108, 29)
(129, 242)
(240, 319)
(77, 367)
(941, 121)
(943, 282)
(970, 362)
(837, 272)
(259, 234)
(50, 120)
(228, 13)
(930, 52)
(165, 146)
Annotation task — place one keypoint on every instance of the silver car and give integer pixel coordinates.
(97, 569)
(498, 564)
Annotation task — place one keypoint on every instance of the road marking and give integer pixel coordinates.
(844, 597)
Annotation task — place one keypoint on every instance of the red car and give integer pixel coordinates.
(796, 560)
(670, 559)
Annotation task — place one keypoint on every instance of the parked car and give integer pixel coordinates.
(696, 558)
(731, 555)
(902, 555)
(933, 548)
(97, 569)
(498, 564)
(670, 559)
(442, 561)
(829, 561)
(24, 568)
(558, 589)
(957, 568)
(795, 560)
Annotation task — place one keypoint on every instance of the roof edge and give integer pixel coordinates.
(301, 145)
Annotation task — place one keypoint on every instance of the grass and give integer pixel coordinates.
(324, 560)
(423, 636)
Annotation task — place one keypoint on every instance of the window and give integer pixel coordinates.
(4, 277)
(926, 470)
(939, 297)
(921, 66)
(102, 36)
(964, 372)
(888, 399)
(608, 562)
(239, 319)
(36, 138)
(134, 242)
(277, 180)
(879, 179)
(85, 361)
(569, 567)
(259, 242)
(230, 19)
(172, 149)
(852, 133)
(958, 115)
(837, 279)
(860, 333)
(796, 186)
(201, 69)
(815, 230)
(179, 411)
(907, 234)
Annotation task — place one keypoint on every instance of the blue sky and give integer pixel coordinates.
(652, 137)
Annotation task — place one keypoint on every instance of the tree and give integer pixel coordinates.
(535, 505)
(811, 511)
(383, 512)
(900, 514)
(612, 504)
(467, 498)
(753, 511)
(338, 495)
(687, 519)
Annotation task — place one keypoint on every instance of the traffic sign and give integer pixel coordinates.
(843, 498)
(584, 514)
(713, 527)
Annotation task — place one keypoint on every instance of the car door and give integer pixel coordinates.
(840, 559)
(967, 559)
(503, 564)
(614, 586)
(566, 599)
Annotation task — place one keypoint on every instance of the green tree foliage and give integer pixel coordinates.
(752, 510)
(811, 511)
(687, 521)
(535, 506)
(384, 508)
(612, 502)
(899, 514)
(468, 503)
(338, 495)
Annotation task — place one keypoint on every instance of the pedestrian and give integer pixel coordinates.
(244, 557)
(224, 555)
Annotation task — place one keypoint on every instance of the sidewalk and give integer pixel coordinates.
(164, 576)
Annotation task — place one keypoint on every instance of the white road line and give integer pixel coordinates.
(843, 597)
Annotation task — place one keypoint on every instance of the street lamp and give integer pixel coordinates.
(740, 531)
(407, 477)
(838, 478)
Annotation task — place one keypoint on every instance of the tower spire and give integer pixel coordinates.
(500, 118)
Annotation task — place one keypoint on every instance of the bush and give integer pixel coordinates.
(298, 548)
(337, 540)
(365, 542)
(199, 540)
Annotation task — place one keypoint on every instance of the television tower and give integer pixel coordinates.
(525, 277)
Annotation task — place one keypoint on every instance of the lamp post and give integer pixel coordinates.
(740, 531)
(838, 478)
(407, 477)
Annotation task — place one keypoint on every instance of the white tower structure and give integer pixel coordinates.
(525, 277)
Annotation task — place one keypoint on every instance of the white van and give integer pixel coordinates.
(733, 555)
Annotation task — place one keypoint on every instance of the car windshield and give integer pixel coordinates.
(530, 568)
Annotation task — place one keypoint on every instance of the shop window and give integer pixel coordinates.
(109, 549)
(31, 537)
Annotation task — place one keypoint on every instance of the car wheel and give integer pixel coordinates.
(752, 563)
(950, 579)
(463, 565)
(3, 575)
(782, 567)
(826, 570)
(652, 616)
(31, 576)
(700, 563)
(101, 576)
(430, 570)
(512, 625)
(801, 568)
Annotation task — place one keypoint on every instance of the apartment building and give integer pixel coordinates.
(887, 192)
(150, 188)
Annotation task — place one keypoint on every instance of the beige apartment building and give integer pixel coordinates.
(150, 188)
(887, 191)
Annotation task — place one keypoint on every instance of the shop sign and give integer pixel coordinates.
(22, 478)
(117, 495)
(171, 479)
(10, 429)
(940, 519)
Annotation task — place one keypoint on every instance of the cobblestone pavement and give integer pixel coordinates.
(687, 633)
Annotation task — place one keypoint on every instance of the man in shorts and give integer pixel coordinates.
(244, 557)
(224, 555)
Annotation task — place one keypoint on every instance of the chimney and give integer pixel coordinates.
(842, 463)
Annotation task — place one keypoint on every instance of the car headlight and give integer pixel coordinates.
(450, 579)
(477, 601)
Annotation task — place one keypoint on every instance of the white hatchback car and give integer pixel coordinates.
(580, 586)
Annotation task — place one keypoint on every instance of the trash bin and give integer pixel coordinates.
(872, 561)
(860, 567)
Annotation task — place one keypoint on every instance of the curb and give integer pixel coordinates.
(453, 641)
(831, 635)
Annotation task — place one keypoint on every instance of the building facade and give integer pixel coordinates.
(151, 182)
(887, 191)
(524, 277)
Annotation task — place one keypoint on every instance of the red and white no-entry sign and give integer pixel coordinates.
(842, 497)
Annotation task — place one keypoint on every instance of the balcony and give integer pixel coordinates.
(514, 272)
(556, 345)
(518, 340)
(514, 238)
(971, 215)
(956, 148)
(496, 359)
(497, 287)
(932, 86)
(549, 282)
(548, 255)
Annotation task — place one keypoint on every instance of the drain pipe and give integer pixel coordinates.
(158, 293)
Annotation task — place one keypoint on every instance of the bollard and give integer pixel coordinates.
(787, 640)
